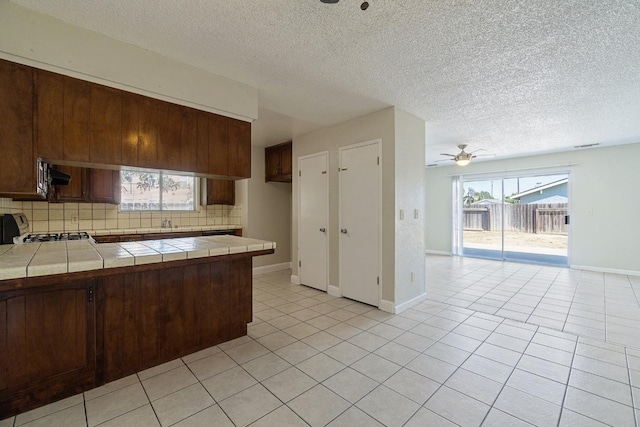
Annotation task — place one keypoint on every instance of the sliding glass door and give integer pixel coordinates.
(518, 219)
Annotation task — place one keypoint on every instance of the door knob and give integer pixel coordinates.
(322, 230)
(343, 230)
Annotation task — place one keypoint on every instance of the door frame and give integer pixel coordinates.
(377, 142)
(308, 156)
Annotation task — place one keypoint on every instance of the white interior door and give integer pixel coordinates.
(313, 244)
(360, 222)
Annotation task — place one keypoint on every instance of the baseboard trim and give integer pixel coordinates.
(605, 270)
(295, 279)
(334, 291)
(412, 302)
(387, 306)
(430, 252)
(271, 268)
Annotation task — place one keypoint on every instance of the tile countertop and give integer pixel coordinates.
(40, 259)
(163, 230)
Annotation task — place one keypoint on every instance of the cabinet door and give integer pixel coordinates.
(76, 190)
(218, 144)
(47, 333)
(18, 170)
(221, 192)
(104, 186)
(49, 115)
(286, 161)
(105, 125)
(202, 135)
(169, 135)
(76, 108)
(271, 163)
(189, 145)
(239, 151)
(148, 133)
(130, 122)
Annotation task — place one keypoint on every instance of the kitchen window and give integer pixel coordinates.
(157, 191)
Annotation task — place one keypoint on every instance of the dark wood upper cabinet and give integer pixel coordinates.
(104, 186)
(239, 155)
(76, 110)
(148, 133)
(169, 135)
(50, 114)
(76, 190)
(189, 147)
(202, 136)
(18, 173)
(130, 124)
(218, 144)
(71, 121)
(221, 192)
(88, 186)
(278, 162)
(105, 126)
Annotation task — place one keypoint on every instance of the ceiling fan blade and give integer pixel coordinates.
(445, 154)
(479, 149)
(443, 160)
(483, 155)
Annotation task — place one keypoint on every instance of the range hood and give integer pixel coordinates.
(58, 178)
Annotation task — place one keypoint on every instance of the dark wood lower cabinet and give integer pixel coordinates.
(62, 335)
(47, 344)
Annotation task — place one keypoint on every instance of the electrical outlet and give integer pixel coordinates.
(74, 219)
(401, 214)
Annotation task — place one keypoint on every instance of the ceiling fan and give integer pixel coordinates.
(463, 158)
(363, 6)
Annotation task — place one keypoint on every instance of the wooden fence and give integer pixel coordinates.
(532, 218)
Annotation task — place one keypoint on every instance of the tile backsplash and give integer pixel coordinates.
(55, 217)
(6, 206)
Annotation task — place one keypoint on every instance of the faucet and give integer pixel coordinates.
(166, 223)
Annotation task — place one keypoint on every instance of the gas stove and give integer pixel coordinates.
(14, 228)
(53, 237)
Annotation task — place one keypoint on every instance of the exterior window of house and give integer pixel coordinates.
(157, 191)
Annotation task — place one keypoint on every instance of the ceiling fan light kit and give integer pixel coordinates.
(463, 158)
(363, 6)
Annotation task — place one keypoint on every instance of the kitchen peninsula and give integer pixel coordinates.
(75, 315)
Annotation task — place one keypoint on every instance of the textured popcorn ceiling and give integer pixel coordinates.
(514, 77)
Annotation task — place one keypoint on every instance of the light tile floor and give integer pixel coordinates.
(311, 359)
(597, 305)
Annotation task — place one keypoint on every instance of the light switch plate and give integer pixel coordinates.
(401, 214)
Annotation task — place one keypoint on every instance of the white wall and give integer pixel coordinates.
(402, 164)
(41, 41)
(603, 181)
(378, 125)
(409, 197)
(268, 212)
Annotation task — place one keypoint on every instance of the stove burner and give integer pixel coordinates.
(57, 237)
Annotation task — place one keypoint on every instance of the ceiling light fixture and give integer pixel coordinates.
(363, 6)
(463, 158)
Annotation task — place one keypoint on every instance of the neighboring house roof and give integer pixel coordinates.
(488, 202)
(552, 200)
(541, 187)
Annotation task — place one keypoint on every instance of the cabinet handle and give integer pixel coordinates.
(90, 295)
